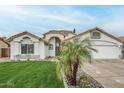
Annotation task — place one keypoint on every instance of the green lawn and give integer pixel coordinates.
(29, 75)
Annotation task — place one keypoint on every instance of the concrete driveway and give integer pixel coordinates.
(110, 73)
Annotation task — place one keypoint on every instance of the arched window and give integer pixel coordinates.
(26, 38)
(50, 46)
(95, 35)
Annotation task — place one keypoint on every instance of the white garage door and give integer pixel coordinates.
(107, 52)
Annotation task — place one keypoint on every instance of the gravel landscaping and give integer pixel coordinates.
(87, 81)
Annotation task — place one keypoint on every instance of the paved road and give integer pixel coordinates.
(110, 73)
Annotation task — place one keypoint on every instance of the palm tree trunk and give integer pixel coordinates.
(75, 69)
(70, 80)
(70, 77)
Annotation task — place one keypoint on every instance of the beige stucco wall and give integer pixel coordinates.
(2, 45)
(60, 36)
(48, 37)
(69, 36)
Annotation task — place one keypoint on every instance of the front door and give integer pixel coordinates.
(57, 51)
(57, 46)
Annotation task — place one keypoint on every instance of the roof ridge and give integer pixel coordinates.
(95, 28)
(20, 34)
(60, 31)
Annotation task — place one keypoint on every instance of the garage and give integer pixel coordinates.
(107, 52)
(107, 45)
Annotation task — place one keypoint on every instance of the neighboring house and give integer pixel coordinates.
(107, 45)
(121, 38)
(4, 48)
(29, 46)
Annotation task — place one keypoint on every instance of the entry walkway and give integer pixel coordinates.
(4, 59)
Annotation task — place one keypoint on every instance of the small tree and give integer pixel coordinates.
(72, 55)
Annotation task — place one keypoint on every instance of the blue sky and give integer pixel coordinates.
(40, 19)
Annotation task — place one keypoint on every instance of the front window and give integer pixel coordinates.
(50, 46)
(95, 35)
(27, 48)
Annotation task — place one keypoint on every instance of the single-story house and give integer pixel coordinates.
(26, 45)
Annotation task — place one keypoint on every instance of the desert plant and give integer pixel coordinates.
(72, 55)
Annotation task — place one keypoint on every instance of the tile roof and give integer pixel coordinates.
(5, 41)
(121, 38)
(23, 33)
(63, 32)
(93, 29)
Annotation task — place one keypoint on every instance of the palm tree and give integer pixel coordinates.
(72, 54)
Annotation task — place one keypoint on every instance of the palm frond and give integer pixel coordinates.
(74, 52)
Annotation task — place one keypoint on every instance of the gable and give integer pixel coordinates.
(19, 36)
(103, 40)
(107, 34)
(104, 36)
(62, 34)
(48, 36)
(3, 42)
